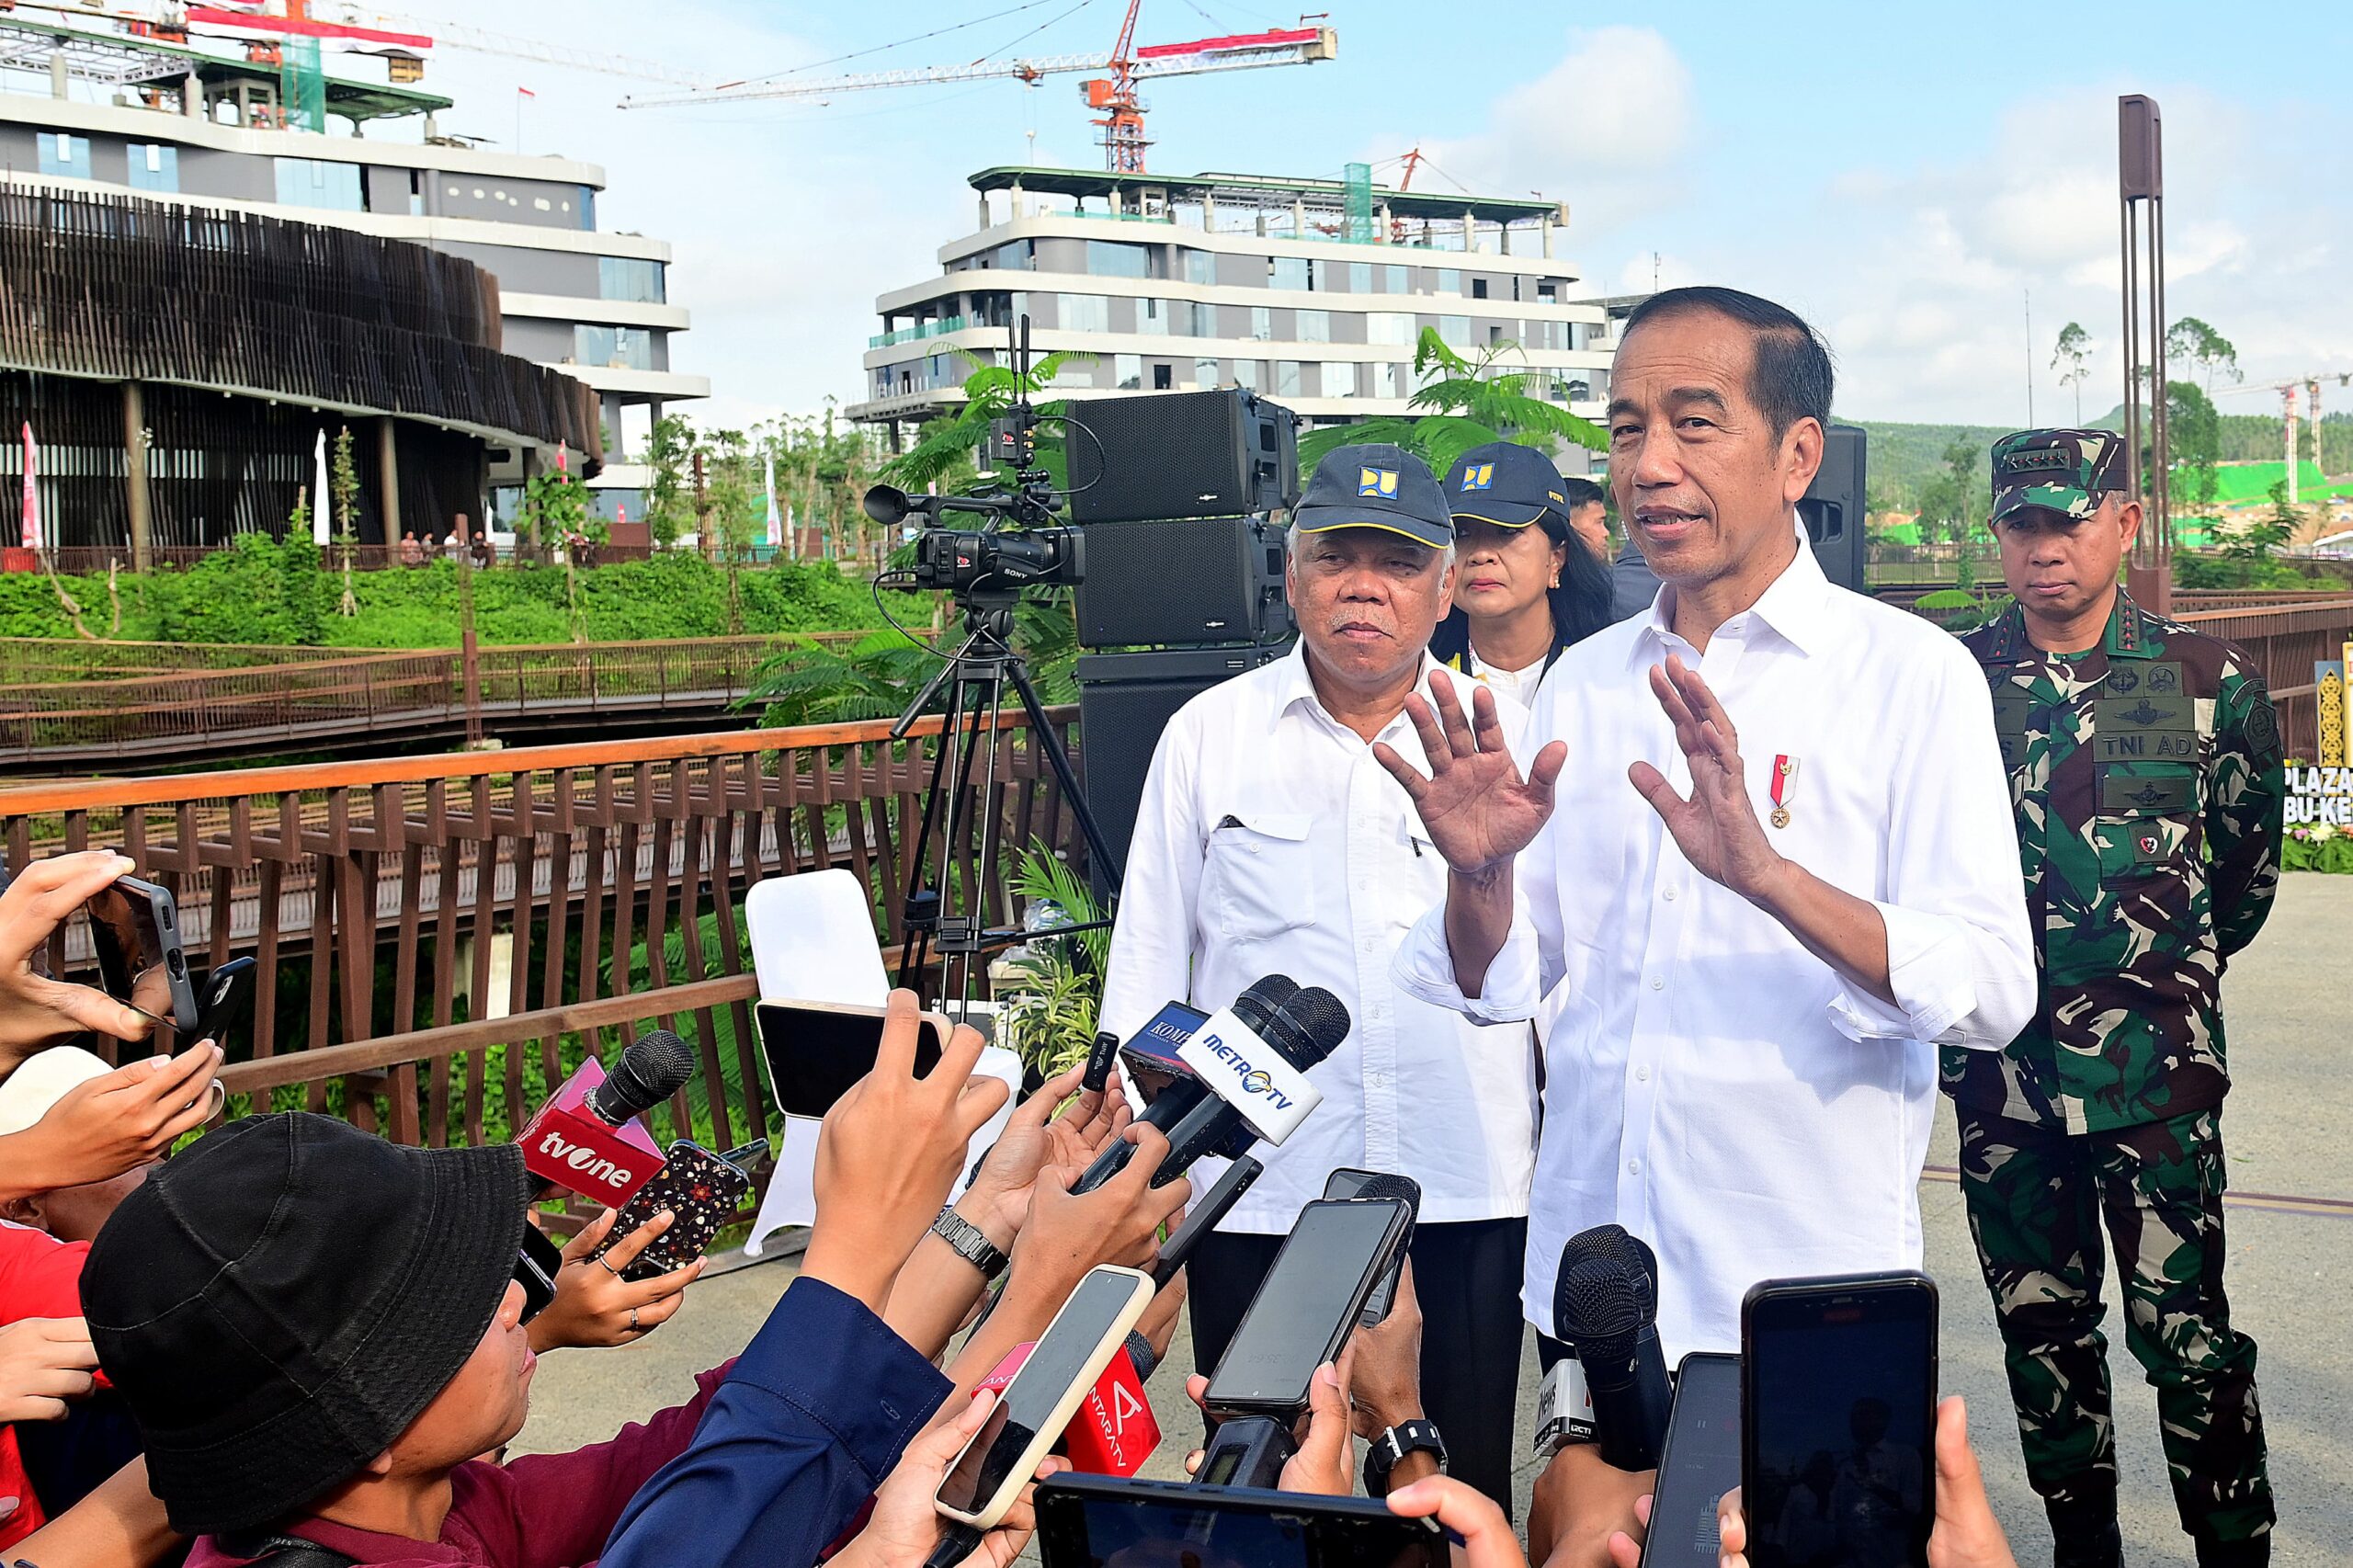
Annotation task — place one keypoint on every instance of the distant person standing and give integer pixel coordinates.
(1528, 583)
(2144, 766)
(412, 551)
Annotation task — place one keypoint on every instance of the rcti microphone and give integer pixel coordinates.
(1599, 1310)
(586, 1138)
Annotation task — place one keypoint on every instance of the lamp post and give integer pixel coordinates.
(2140, 214)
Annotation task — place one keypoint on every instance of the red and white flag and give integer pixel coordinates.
(525, 93)
(33, 495)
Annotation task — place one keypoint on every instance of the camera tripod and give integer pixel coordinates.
(973, 679)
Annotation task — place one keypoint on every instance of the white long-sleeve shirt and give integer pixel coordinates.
(1270, 840)
(1710, 1084)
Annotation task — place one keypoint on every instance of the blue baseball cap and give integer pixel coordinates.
(1376, 486)
(1507, 485)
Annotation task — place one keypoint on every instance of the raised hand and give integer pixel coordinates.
(594, 1305)
(1716, 828)
(1480, 812)
(36, 1011)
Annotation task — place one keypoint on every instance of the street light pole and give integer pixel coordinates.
(2141, 213)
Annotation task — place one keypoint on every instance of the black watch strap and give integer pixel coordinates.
(1418, 1436)
(969, 1244)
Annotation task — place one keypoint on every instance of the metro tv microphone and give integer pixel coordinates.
(1598, 1307)
(586, 1138)
(1255, 1078)
(1155, 1063)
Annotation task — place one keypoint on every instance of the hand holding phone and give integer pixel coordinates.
(1307, 1306)
(134, 932)
(37, 1010)
(701, 1191)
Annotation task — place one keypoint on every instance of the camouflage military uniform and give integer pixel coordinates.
(2145, 775)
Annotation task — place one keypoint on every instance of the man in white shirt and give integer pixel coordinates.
(1270, 841)
(1751, 954)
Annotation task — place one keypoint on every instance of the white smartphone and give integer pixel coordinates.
(1045, 1394)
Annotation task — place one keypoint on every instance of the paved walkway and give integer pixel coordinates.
(2291, 1275)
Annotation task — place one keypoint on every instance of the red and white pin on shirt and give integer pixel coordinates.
(1785, 772)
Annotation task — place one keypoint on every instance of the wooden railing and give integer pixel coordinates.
(441, 939)
(2285, 634)
(326, 696)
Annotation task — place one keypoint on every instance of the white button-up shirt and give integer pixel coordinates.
(1270, 840)
(1710, 1084)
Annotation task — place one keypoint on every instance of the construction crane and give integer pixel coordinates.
(2310, 387)
(1121, 109)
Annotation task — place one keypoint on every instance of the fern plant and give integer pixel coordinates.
(1057, 989)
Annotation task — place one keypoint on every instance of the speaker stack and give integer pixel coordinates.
(1184, 585)
(1832, 507)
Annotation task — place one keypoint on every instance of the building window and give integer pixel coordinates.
(63, 156)
(1247, 373)
(1205, 374)
(1394, 327)
(1360, 278)
(1339, 378)
(1478, 288)
(317, 182)
(629, 280)
(1163, 378)
(1262, 323)
(626, 348)
(1127, 371)
(1449, 280)
(1082, 313)
(1200, 267)
(1547, 292)
(1286, 378)
(1014, 255)
(153, 166)
(1200, 320)
(1314, 326)
(1455, 330)
(1152, 317)
(1110, 258)
(1385, 378)
(1396, 280)
(1291, 272)
(587, 207)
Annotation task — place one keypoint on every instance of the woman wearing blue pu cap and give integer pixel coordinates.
(1525, 586)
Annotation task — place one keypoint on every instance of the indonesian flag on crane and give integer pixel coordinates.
(242, 19)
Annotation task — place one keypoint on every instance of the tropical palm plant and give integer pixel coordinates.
(1057, 987)
(1465, 404)
(809, 682)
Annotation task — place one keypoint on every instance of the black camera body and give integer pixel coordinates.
(969, 561)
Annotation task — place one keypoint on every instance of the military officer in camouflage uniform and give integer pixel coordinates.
(2145, 773)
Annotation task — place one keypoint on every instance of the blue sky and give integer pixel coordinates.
(1902, 173)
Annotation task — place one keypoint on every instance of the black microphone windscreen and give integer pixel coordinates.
(1594, 1300)
(655, 1067)
(1258, 1004)
(1389, 1184)
(1629, 1251)
(1308, 1027)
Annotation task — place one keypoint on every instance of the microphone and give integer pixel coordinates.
(1183, 1092)
(1257, 1081)
(1387, 1183)
(587, 1140)
(1114, 1430)
(1598, 1307)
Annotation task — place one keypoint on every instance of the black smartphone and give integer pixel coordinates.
(1838, 1416)
(815, 1051)
(1307, 1306)
(135, 935)
(536, 1267)
(1045, 1394)
(1700, 1464)
(702, 1192)
(1101, 1521)
(1349, 1182)
(1202, 1218)
(225, 1001)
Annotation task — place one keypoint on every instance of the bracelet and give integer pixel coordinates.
(966, 1241)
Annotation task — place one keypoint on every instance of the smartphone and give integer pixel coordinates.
(1700, 1464)
(1311, 1300)
(702, 1192)
(815, 1051)
(135, 934)
(1838, 1412)
(1043, 1395)
(225, 1001)
(1101, 1521)
(1202, 1218)
(536, 1267)
(1349, 1182)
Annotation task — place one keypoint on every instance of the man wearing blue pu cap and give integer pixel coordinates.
(1270, 840)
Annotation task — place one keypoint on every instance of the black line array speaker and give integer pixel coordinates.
(1192, 580)
(1162, 455)
(1832, 507)
(1124, 702)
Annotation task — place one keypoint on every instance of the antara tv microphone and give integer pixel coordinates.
(1600, 1312)
(587, 1140)
(1115, 1430)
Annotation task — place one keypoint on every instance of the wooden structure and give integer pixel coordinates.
(437, 932)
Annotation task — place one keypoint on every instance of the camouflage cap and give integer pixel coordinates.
(2057, 470)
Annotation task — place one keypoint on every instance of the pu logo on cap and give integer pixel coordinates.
(1478, 476)
(1381, 482)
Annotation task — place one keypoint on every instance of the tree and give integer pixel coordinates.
(2193, 442)
(2193, 341)
(1466, 403)
(2255, 540)
(344, 477)
(1953, 502)
(2074, 352)
(669, 450)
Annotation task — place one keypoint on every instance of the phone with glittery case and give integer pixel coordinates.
(702, 1192)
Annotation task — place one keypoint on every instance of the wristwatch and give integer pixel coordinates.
(968, 1243)
(1418, 1436)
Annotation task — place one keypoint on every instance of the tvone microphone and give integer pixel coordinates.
(586, 1138)
(1185, 1092)
(1600, 1312)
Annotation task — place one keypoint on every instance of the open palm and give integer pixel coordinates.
(1716, 828)
(1478, 809)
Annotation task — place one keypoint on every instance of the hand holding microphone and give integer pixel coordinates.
(586, 1139)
